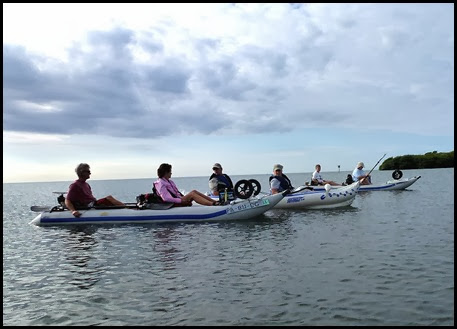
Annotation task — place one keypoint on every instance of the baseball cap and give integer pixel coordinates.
(360, 164)
(277, 166)
(217, 165)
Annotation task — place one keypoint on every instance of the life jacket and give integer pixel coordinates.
(223, 181)
(284, 181)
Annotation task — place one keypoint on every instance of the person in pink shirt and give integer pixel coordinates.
(80, 193)
(168, 191)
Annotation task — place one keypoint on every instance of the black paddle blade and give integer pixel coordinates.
(40, 208)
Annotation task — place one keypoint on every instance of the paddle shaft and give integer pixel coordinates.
(298, 189)
(372, 168)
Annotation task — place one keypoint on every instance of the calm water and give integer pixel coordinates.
(388, 259)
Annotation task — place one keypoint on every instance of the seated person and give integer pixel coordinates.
(219, 181)
(359, 175)
(80, 193)
(317, 178)
(279, 182)
(168, 191)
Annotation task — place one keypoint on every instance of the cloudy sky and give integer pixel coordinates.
(126, 87)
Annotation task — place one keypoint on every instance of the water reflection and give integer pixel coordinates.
(165, 245)
(84, 272)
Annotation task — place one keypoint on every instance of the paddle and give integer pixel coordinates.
(372, 168)
(295, 190)
(40, 208)
(47, 208)
(154, 206)
(301, 188)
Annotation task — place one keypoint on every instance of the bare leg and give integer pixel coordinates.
(114, 201)
(198, 197)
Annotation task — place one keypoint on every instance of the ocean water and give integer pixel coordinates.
(388, 259)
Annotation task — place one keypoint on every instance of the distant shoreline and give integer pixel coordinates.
(429, 160)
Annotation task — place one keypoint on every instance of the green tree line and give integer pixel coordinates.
(423, 161)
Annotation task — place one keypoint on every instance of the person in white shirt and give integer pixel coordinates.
(317, 178)
(359, 175)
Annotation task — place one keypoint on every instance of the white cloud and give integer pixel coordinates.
(151, 72)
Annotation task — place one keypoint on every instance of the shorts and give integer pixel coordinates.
(103, 202)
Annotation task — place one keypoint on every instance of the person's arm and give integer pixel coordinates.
(73, 192)
(274, 186)
(315, 179)
(71, 207)
(356, 175)
(230, 181)
(362, 174)
(363, 177)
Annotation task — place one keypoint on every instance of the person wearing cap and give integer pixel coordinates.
(279, 182)
(219, 181)
(359, 175)
(317, 178)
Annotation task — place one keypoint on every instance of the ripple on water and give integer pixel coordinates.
(386, 260)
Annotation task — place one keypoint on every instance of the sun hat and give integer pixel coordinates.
(217, 165)
(277, 166)
(360, 164)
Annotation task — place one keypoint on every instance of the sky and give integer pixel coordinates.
(126, 87)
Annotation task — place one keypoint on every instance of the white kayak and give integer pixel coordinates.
(236, 210)
(312, 199)
(303, 197)
(395, 184)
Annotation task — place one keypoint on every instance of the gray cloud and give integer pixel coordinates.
(94, 90)
(305, 66)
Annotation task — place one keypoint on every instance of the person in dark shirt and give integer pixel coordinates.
(219, 181)
(279, 182)
(80, 193)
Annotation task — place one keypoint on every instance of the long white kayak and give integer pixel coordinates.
(305, 197)
(395, 184)
(236, 210)
(312, 199)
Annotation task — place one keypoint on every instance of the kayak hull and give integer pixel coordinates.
(391, 185)
(236, 210)
(306, 199)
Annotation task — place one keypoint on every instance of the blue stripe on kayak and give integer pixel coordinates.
(318, 192)
(372, 188)
(132, 218)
